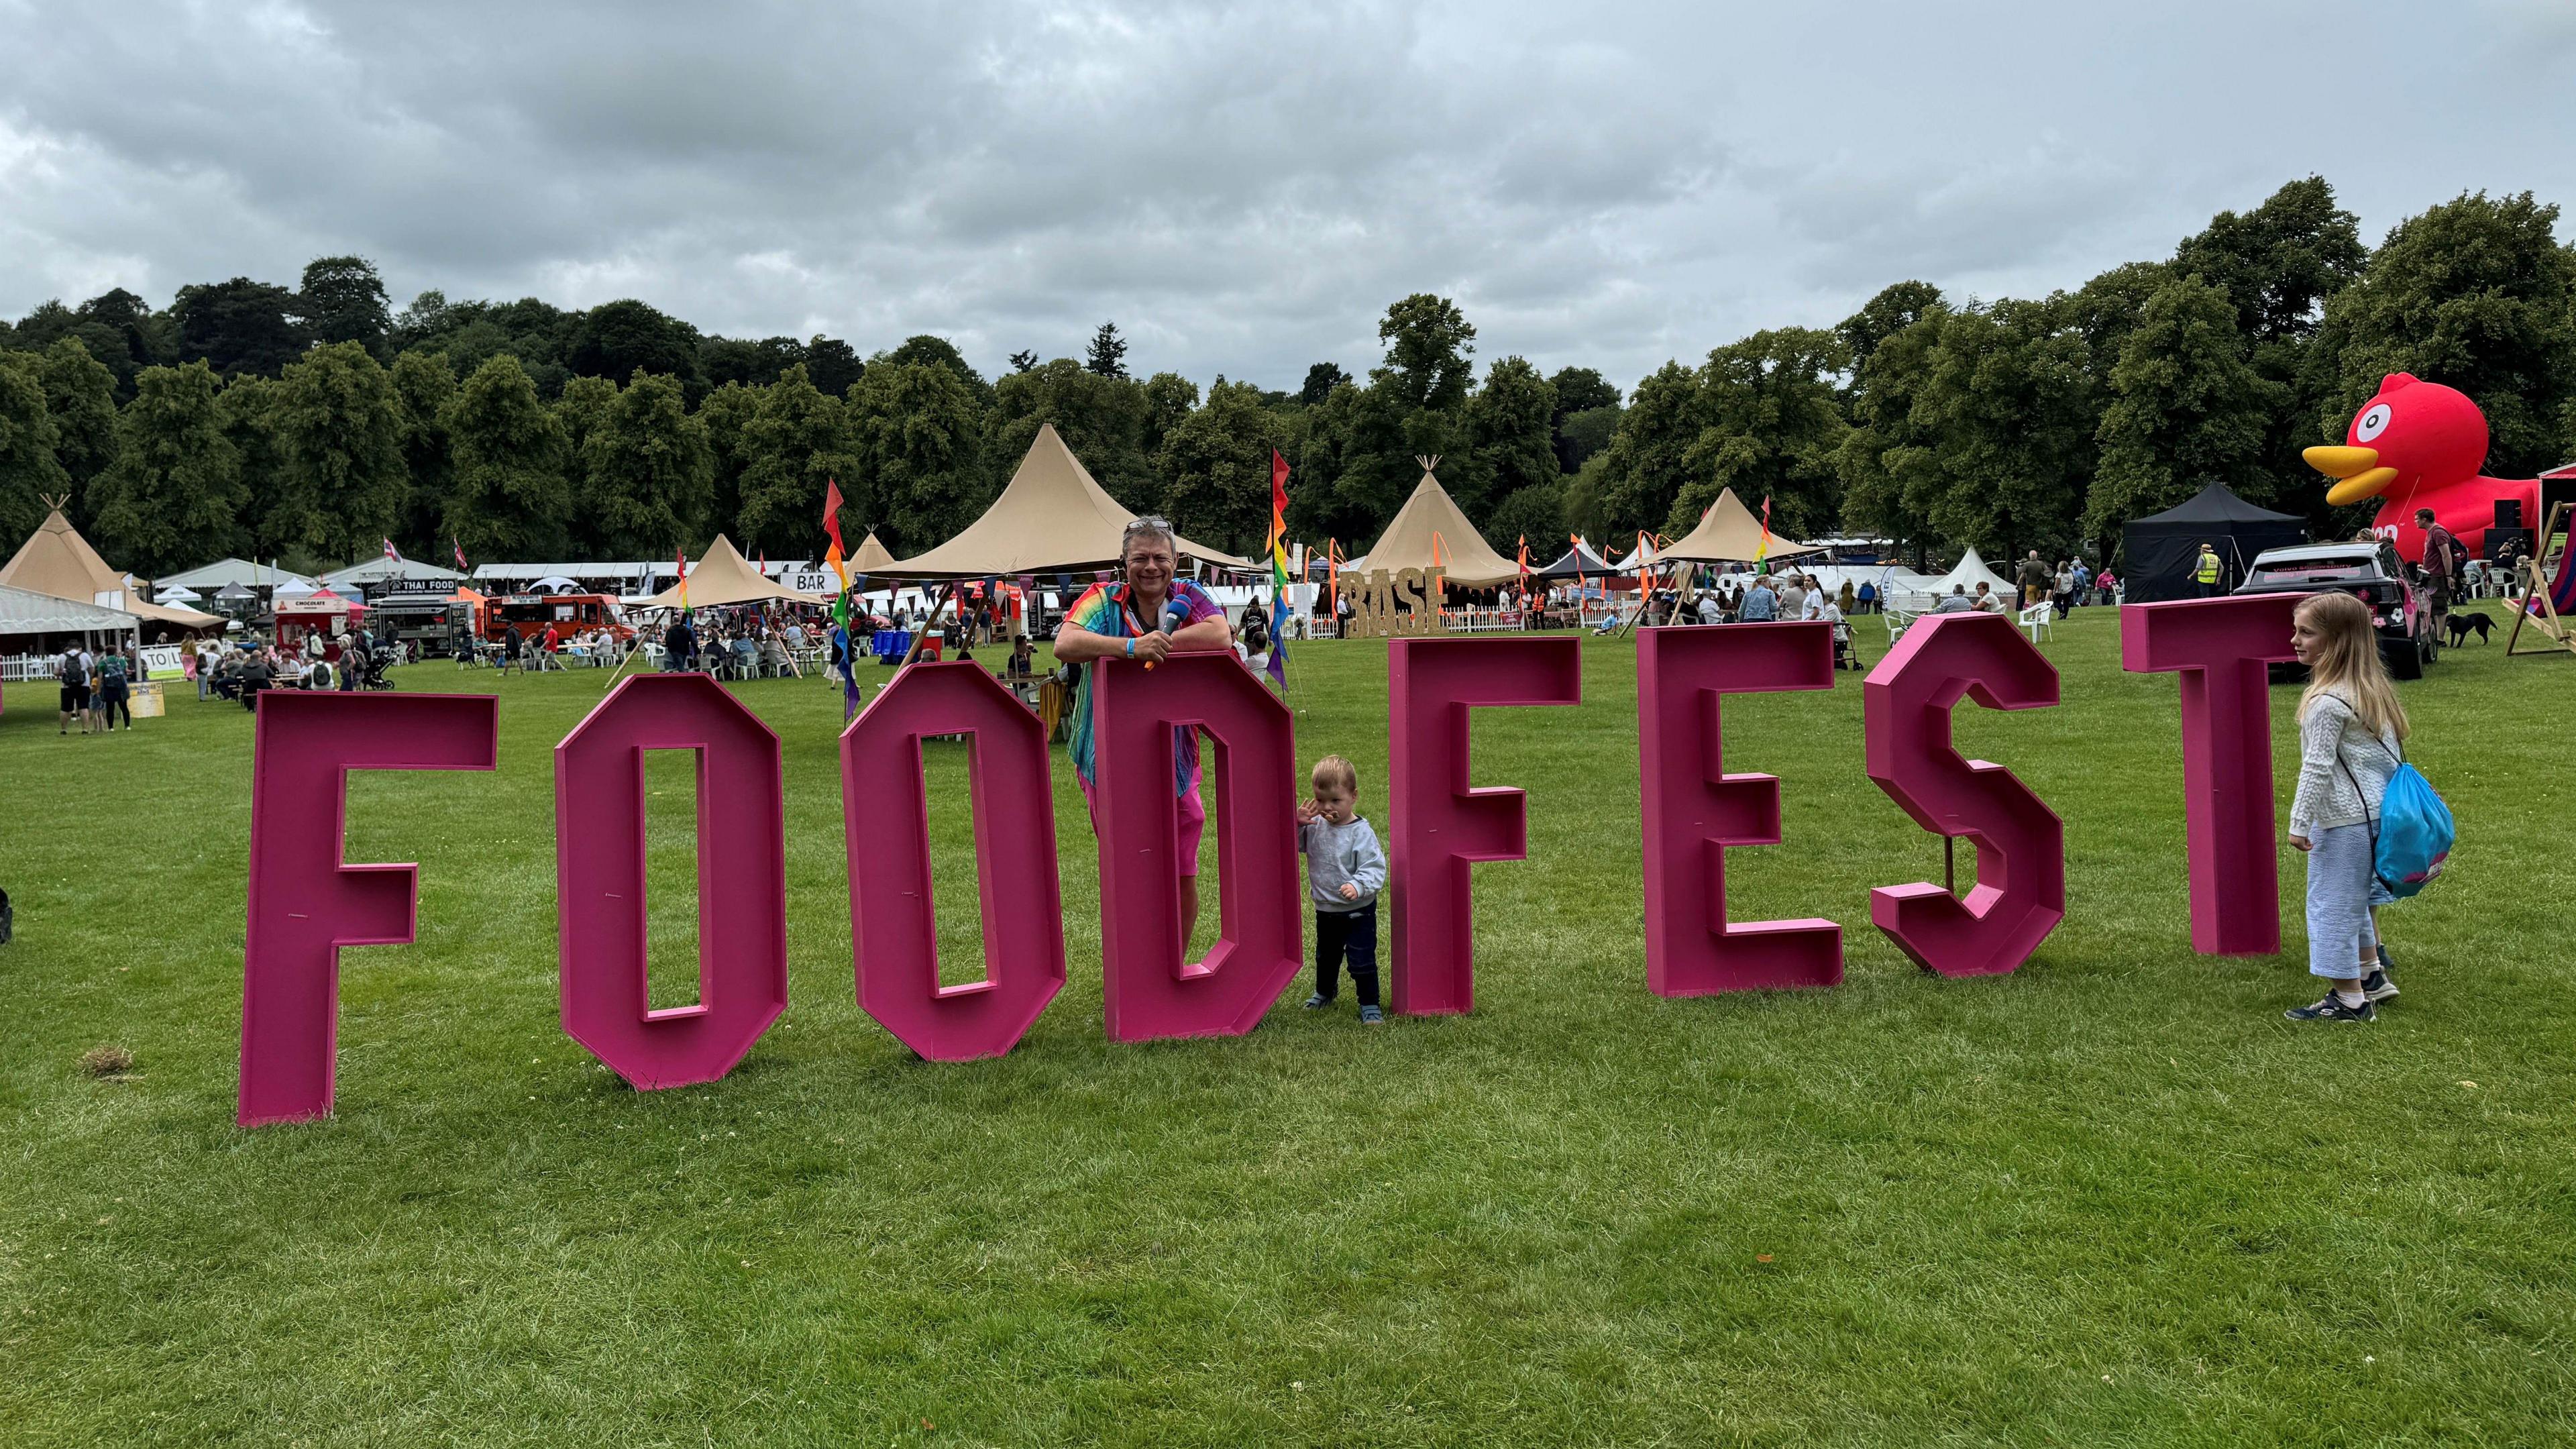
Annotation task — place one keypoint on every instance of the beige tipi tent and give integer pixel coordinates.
(1429, 530)
(724, 576)
(56, 560)
(1729, 533)
(1052, 518)
(872, 557)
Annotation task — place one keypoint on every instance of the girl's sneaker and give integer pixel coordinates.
(1318, 1001)
(2377, 986)
(1371, 1016)
(2333, 1009)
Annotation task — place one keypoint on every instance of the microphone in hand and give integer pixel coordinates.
(1175, 615)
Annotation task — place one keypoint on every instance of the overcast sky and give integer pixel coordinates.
(1244, 188)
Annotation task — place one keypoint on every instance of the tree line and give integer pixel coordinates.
(309, 424)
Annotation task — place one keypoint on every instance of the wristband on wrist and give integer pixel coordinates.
(1131, 648)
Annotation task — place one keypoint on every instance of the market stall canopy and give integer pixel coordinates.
(56, 560)
(1729, 533)
(25, 611)
(1429, 530)
(1971, 572)
(228, 573)
(723, 576)
(382, 570)
(1579, 561)
(173, 594)
(1052, 518)
(2158, 552)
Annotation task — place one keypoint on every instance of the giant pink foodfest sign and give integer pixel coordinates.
(306, 903)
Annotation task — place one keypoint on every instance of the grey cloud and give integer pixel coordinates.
(1243, 187)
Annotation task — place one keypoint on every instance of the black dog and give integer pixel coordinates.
(2461, 624)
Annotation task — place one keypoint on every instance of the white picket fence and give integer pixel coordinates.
(19, 668)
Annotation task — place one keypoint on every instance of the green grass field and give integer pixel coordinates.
(2111, 1199)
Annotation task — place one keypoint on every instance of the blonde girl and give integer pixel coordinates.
(2350, 725)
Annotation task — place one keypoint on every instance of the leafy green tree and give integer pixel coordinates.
(1510, 424)
(728, 412)
(2010, 405)
(2279, 262)
(1581, 390)
(2479, 295)
(239, 326)
(1357, 462)
(149, 338)
(1647, 463)
(80, 392)
(51, 323)
(1108, 354)
(343, 300)
(1895, 308)
(648, 474)
(798, 438)
(426, 384)
(1101, 417)
(940, 351)
(1585, 512)
(1169, 398)
(1024, 359)
(1582, 436)
(1772, 420)
(1428, 344)
(248, 410)
(617, 339)
(919, 433)
(175, 496)
(1891, 480)
(582, 408)
(723, 360)
(1321, 379)
(833, 365)
(510, 497)
(1219, 463)
(339, 426)
(2186, 410)
(29, 471)
(1536, 513)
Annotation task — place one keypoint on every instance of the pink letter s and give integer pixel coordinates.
(304, 904)
(2020, 894)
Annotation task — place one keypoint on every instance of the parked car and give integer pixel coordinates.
(2371, 572)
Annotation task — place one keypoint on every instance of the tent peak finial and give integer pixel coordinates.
(1429, 461)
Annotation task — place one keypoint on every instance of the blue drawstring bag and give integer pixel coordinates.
(2412, 837)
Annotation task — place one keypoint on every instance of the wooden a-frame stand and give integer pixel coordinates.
(2535, 608)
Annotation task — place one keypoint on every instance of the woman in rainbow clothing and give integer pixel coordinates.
(1144, 618)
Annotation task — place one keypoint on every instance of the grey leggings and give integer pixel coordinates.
(2341, 889)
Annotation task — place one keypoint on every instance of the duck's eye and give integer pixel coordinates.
(2372, 424)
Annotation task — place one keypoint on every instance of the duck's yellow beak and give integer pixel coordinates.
(2356, 469)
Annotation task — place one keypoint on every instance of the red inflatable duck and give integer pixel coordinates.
(2417, 445)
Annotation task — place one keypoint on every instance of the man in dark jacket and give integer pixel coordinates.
(2035, 579)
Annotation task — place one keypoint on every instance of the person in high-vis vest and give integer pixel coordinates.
(2208, 572)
